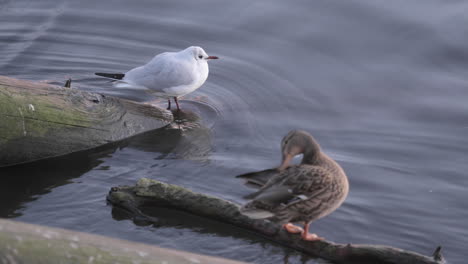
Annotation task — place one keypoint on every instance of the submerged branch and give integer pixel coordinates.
(133, 198)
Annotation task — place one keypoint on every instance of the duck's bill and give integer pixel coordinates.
(212, 58)
(286, 160)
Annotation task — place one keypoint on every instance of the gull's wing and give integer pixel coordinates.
(164, 71)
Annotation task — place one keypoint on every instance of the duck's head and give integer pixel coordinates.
(298, 142)
(199, 54)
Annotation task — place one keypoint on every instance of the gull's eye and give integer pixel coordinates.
(200, 56)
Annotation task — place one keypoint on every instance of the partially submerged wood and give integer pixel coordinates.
(40, 120)
(146, 191)
(27, 243)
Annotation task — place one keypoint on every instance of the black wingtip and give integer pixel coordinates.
(116, 76)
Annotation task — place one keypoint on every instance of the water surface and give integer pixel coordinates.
(381, 84)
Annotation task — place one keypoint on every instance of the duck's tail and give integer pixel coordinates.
(259, 178)
(257, 213)
(250, 210)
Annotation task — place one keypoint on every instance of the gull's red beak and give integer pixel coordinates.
(212, 58)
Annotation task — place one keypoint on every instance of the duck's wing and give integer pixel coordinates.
(275, 183)
(296, 184)
(259, 178)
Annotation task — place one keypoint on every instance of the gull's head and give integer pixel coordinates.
(199, 54)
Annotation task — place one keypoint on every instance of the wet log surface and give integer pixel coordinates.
(39, 120)
(27, 243)
(158, 194)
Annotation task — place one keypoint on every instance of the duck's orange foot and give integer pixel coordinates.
(311, 237)
(293, 228)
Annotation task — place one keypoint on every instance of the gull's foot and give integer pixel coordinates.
(311, 237)
(168, 104)
(177, 103)
(293, 229)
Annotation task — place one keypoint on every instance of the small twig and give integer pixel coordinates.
(68, 83)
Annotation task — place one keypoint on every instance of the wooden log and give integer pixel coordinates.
(150, 192)
(27, 243)
(40, 120)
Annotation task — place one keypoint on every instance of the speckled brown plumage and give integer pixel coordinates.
(298, 193)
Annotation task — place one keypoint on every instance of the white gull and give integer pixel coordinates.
(169, 74)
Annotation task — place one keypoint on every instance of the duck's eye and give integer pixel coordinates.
(200, 56)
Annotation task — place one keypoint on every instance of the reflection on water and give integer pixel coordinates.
(27, 182)
(186, 138)
(382, 85)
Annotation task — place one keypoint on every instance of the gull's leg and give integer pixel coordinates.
(307, 236)
(177, 103)
(168, 104)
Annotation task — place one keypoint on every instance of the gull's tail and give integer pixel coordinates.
(119, 83)
(115, 76)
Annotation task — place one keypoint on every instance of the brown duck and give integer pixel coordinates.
(297, 193)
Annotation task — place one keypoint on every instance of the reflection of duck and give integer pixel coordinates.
(298, 193)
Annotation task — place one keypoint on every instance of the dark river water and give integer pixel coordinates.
(382, 85)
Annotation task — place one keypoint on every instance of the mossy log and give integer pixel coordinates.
(27, 243)
(154, 193)
(39, 120)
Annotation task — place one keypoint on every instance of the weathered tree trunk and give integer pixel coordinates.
(39, 120)
(27, 243)
(146, 191)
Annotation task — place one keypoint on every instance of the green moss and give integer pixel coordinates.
(26, 114)
(29, 249)
(26, 243)
(120, 196)
(150, 188)
(9, 127)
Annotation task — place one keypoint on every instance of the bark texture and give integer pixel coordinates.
(40, 120)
